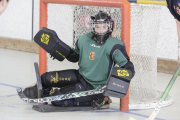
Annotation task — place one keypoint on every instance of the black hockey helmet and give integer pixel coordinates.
(101, 27)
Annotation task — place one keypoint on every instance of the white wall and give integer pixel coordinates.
(16, 22)
(36, 17)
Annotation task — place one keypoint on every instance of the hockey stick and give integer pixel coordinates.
(39, 83)
(159, 105)
(58, 97)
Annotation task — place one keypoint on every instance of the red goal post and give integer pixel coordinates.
(125, 28)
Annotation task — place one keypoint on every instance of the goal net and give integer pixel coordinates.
(72, 21)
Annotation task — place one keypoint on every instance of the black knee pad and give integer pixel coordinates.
(60, 78)
(43, 80)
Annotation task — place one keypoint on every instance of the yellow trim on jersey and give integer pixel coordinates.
(152, 2)
(166, 2)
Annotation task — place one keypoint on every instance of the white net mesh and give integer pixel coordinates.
(70, 22)
(60, 19)
(143, 52)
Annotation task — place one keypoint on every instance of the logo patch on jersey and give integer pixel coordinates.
(178, 10)
(122, 73)
(45, 38)
(93, 45)
(92, 56)
(177, 7)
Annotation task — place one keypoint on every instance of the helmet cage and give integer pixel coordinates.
(101, 26)
(101, 18)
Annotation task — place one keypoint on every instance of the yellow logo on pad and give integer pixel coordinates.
(118, 85)
(122, 73)
(57, 79)
(45, 38)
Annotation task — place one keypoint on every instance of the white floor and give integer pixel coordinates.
(17, 70)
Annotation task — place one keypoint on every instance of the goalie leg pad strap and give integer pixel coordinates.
(49, 41)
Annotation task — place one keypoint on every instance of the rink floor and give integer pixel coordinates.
(17, 70)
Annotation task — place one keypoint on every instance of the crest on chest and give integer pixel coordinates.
(92, 56)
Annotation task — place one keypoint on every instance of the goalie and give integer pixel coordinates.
(96, 53)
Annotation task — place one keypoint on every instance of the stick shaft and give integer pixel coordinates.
(156, 110)
(168, 88)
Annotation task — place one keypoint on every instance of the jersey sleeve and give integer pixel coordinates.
(172, 6)
(121, 58)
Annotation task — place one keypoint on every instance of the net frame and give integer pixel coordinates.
(125, 27)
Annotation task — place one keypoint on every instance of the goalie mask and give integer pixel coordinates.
(101, 27)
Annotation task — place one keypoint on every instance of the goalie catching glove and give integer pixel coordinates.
(118, 83)
(49, 41)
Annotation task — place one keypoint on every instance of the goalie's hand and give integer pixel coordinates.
(49, 41)
(119, 83)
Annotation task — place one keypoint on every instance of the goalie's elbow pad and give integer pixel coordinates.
(49, 41)
(119, 83)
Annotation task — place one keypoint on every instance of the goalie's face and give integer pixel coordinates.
(101, 28)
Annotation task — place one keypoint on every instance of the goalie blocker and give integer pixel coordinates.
(49, 41)
(118, 83)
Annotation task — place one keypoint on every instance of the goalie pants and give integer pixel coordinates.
(69, 81)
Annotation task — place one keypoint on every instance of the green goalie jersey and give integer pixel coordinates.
(96, 61)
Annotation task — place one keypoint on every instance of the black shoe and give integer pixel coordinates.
(100, 104)
(31, 91)
(47, 91)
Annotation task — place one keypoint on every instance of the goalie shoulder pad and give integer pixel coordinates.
(49, 41)
(118, 83)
